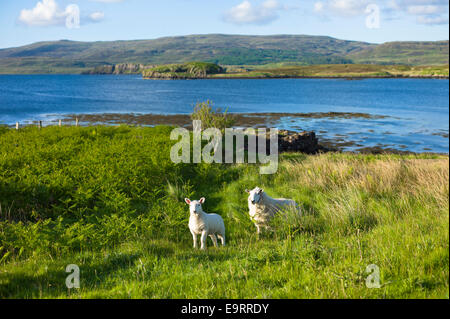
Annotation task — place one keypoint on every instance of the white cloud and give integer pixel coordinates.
(318, 6)
(349, 7)
(247, 13)
(425, 11)
(96, 16)
(343, 8)
(48, 13)
(422, 9)
(432, 20)
(430, 12)
(44, 13)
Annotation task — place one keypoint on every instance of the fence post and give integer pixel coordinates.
(40, 124)
(76, 121)
(17, 125)
(59, 123)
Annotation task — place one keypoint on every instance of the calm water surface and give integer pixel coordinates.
(417, 109)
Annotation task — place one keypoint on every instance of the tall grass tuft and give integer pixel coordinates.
(212, 117)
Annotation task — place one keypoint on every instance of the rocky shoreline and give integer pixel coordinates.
(293, 140)
(266, 119)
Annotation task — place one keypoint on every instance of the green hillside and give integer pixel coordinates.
(340, 71)
(75, 57)
(413, 53)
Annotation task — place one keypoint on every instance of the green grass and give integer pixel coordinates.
(198, 70)
(338, 71)
(109, 200)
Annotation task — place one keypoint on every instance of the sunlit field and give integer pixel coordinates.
(110, 200)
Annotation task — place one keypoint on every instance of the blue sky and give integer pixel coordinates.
(26, 21)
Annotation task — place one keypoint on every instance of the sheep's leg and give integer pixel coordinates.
(222, 239)
(214, 239)
(203, 240)
(258, 229)
(194, 237)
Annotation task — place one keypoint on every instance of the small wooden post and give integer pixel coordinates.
(59, 123)
(17, 125)
(40, 124)
(76, 121)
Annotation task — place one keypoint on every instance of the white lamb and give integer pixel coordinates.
(201, 223)
(262, 207)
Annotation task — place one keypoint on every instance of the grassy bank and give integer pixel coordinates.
(110, 200)
(201, 70)
(337, 71)
(191, 70)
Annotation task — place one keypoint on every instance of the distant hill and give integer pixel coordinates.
(75, 57)
(413, 53)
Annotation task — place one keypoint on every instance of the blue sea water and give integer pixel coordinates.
(417, 110)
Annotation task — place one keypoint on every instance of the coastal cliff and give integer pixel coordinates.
(191, 70)
(123, 68)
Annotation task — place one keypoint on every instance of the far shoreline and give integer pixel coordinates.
(246, 78)
(303, 77)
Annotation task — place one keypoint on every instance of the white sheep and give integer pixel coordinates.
(201, 223)
(262, 207)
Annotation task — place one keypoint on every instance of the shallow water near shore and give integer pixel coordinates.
(403, 114)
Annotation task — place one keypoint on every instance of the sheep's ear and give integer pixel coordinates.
(261, 191)
(247, 191)
(202, 200)
(188, 201)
